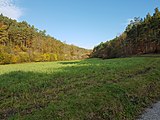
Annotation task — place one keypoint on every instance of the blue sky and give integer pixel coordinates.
(84, 23)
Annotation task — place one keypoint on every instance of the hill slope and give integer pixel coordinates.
(140, 37)
(21, 42)
(83, 90)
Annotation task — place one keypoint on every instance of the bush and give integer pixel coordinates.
(56, 57)
(36, 57)
(15, 59)
(24, 57)
(6, 58)
(45, 57)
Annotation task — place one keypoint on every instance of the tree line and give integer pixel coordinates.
(21, 42)
(141, 36)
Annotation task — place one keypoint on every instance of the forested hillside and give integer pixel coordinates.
(21, 42)
(141, 36)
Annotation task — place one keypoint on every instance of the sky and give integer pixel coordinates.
(84, 23)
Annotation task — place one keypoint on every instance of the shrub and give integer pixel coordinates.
(45, 57)
(24, 57)
(15, 59)
(6, 58)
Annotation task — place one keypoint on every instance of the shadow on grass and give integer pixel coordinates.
(149, 55)
(24, 93)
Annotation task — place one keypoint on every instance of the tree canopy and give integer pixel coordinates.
(141, 36)
(21, 42)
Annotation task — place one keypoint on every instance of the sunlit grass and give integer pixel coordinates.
(87, 89)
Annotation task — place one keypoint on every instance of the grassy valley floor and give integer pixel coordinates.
(89, 89)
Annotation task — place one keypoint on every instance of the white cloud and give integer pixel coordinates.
(9, 9)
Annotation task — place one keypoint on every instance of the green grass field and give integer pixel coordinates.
(91, 89)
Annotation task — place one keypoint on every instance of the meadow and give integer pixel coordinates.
(91, 89)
